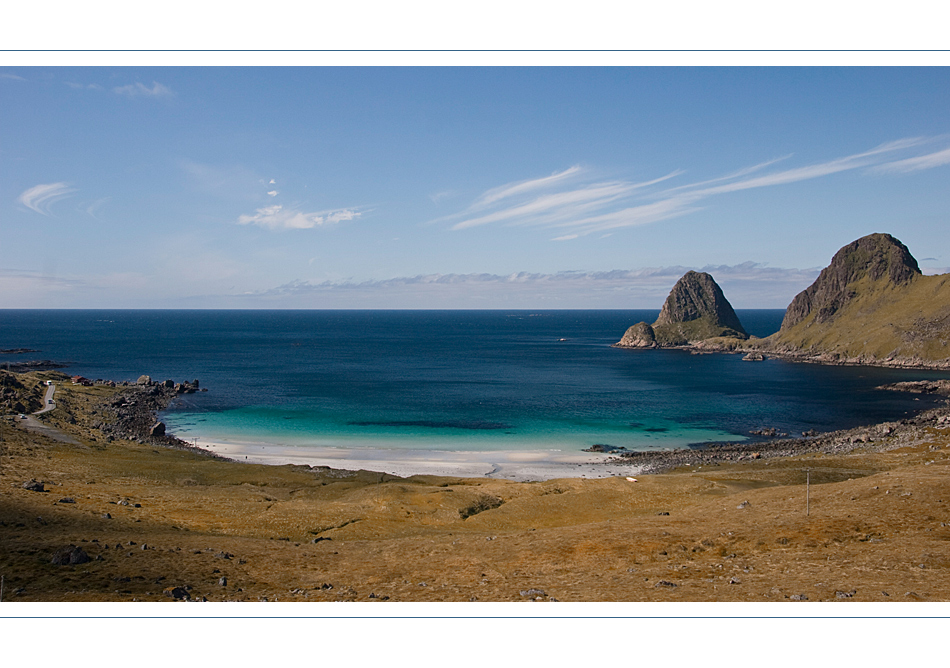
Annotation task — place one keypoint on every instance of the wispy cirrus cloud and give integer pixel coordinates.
(577, 204)
(12, 77)
(94, 207)
(139, 89)
(276, 217)
(915, 164)
(40, 198)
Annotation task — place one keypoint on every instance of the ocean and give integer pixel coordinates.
(453, 380)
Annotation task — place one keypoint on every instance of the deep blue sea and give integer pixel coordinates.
(452, 380)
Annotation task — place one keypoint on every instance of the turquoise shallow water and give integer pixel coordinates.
(452, 380)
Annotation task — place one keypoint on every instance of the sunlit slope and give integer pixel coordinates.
(880, 320)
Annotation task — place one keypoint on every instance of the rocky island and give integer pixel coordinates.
(871, 305)
(696, 310)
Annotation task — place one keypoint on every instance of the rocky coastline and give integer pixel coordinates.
(132, 414)
(874, 438)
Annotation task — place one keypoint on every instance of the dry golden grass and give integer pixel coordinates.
(877, 529)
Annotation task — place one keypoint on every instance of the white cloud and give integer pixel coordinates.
(14, 77)
(277, 218)
(273, 193)
(79, 86)
(570, 201)
(41, 197)
(139, 89)
(747, 285)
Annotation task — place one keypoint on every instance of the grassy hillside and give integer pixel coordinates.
(881, 321)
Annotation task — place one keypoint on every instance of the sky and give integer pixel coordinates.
(457, 187)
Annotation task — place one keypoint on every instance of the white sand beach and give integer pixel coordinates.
(508, 464)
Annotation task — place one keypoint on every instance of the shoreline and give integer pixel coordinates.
(516, 465)
(745, 347)
(137, 408)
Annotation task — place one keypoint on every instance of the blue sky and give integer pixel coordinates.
(457, 187)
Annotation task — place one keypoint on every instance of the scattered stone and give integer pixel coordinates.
(798, 597)
(753, 357)
(663, 513)
(770, 432)
(744, 505)
(532, 592)
(222, 581)
(67, 499)
(665, 583)
(734, 581)
(69, 556)
(34, 486)
(223, 555)
(846, 594)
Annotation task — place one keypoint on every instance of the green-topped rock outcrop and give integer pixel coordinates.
(696, 310)
(871, 305)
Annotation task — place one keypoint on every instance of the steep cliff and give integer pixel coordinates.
(877, 259)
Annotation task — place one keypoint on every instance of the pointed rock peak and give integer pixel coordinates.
(876, 256)
(697, 296)
(879, 258)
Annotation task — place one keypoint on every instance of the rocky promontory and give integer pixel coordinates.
(695, 310)
(870, 305)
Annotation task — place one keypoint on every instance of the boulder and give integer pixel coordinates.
(177, 593)
(69, 556)
(157, 429)
(34, 486)
(640, 335)
(144, 380)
